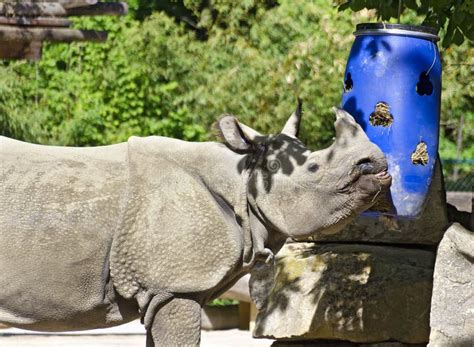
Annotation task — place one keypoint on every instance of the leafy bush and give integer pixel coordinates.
(223, 302)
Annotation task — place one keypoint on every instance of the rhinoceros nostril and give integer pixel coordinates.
(365, 166)
(363, 161)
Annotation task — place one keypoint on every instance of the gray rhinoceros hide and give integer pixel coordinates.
(172, 221)
(59, 208)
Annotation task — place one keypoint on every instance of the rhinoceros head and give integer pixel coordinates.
(299, 192)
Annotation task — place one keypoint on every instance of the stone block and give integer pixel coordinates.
(452, 303)
(357, 293)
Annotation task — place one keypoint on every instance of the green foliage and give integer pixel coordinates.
(223, 302)
(457, 116)
(453, 16)
(93, 94)
(258, 73)
(234, 16)
(155, 77)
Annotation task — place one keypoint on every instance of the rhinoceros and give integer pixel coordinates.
(156, 227)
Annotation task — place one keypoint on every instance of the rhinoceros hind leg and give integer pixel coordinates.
(177, 323)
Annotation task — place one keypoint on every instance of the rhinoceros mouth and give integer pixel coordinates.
(384, 178)
(376, 170)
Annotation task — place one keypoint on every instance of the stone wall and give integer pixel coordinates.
(358, 293)
(452, 305)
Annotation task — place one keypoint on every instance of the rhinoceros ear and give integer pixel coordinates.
(237, 136)
(292, 126)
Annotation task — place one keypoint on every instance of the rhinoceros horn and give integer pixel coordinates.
(292, 126)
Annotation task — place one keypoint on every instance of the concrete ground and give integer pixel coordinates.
(128, 335)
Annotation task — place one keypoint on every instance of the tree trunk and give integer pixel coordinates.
(100, 9)
(15, 34)
(63, 9)
(67, 4)
(39, 21)
(64, 3)
(47, 9)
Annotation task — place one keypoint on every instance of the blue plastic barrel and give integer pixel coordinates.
(392, 87)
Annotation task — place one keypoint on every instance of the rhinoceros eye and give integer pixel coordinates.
(313, 167)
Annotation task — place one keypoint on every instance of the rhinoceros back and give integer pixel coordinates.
(59, 207)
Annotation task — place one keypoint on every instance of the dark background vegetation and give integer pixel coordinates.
(171, 68)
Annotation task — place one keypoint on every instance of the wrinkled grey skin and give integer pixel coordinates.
(156, 227)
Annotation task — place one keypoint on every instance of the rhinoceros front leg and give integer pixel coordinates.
(177, 323)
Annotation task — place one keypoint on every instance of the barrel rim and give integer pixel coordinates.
(420, 31)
